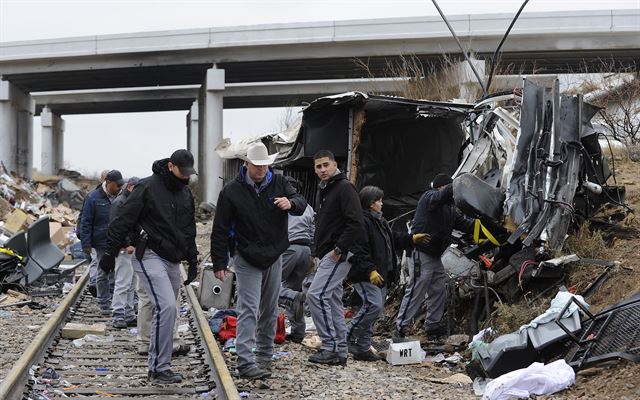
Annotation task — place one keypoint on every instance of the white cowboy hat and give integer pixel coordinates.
(257, 154)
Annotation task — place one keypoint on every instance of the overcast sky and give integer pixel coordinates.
(131, 141)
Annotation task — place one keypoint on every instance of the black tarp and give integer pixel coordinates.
(403, 143)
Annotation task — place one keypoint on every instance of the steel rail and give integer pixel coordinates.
(13, 386)
(226, 387)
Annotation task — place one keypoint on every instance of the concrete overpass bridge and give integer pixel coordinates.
(278, 58)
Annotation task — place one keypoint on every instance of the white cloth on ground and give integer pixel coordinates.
(538, 379)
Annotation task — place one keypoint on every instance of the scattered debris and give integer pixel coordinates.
(608, 335)
(77, 331)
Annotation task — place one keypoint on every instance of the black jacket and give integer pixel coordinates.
(338, 217)
(163, 206)
(116, 206)
(437, 215)
(382, 256)
(248, 222)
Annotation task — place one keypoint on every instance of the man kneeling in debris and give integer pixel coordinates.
(163, 206)
(296, 263)
(252, 214)
(436, 216)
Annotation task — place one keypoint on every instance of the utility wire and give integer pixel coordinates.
(504, 38)
(464, 52)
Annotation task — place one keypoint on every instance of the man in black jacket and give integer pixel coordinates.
(251, 218)
(162, 205)
(339, 226)
(436, 216)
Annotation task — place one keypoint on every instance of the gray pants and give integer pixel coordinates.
(360, 328)
(145, 318)
(161, 281)
(104, 283)
(93, 267)
(296, 263)
(325, 303)
(257, 306)
(431, 283)
(123, 289)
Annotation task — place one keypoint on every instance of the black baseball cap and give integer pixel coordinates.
(115, 176)
(183, 159)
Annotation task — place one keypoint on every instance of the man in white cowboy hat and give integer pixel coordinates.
(251, 224)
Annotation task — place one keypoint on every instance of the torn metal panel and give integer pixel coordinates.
(516, 194)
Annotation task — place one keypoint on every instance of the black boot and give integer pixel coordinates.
(328, 358)
(166, 376)
(366, 356)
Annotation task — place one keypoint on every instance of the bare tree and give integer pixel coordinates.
(615, 88)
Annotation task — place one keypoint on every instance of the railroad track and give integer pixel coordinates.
(113, 369)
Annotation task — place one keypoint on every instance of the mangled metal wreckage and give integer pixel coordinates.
(526, 164)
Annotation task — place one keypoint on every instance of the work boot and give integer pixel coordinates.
(366, 356)
(298, 306)
(294, 338)
(133, 323)
(119, 324)
(398, 333)
(265, 365)
(181, 350)
(166, 376)
(328, 358)
(253, 372)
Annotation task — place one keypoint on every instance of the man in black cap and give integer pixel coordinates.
(162, 206)
(93, 231)
(436, 216)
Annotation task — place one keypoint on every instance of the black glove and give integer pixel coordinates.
(192, 272)
(107, 262)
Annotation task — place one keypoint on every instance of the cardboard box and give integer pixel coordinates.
(55, 232)
(404, 352)
(17, 221)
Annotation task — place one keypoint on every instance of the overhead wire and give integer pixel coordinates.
(504, 38)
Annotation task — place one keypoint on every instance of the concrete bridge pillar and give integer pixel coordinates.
(469, 87)
(210, 135)
(52, 142)
(193, 133)
(16, 129)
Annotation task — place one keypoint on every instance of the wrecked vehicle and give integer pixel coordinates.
(527, 164)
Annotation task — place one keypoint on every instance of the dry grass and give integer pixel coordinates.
(586, 243)
(438, 81)
(508, 318)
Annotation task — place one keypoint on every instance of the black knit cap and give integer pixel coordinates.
(441, 180)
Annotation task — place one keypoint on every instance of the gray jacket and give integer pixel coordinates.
(302, 228)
